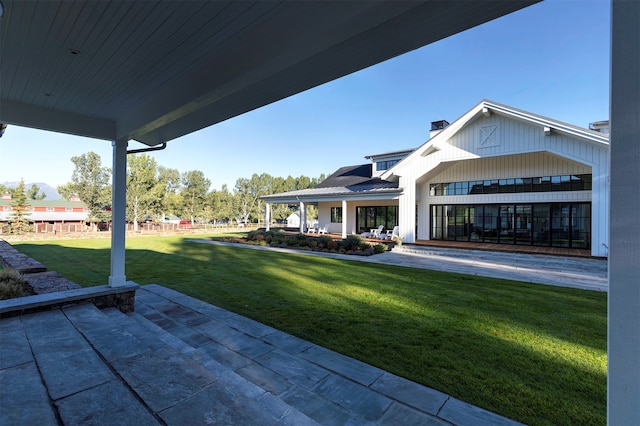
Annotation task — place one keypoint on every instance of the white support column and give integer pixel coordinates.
(267, 213)
(407, 211)
(303, 217)
(344, 218)
(623, 387)
(119, 213)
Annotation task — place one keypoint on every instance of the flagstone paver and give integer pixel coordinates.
(179, 361)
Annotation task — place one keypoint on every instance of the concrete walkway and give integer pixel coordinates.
(180, 361)
(576, 272)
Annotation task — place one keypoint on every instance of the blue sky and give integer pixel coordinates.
(551, 59)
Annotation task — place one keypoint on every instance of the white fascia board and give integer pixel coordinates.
(439, 141)
(433, 144)
(335, 197)
(553, 125)
(56, 121)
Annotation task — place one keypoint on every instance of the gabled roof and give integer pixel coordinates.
(486, 108)
(346, 182)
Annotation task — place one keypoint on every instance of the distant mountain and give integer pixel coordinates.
(49, 191)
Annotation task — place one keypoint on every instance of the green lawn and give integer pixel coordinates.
(534, 353)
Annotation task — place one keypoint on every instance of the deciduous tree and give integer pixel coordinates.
(248, 193)
(34, 193)
(143, 188)
(170, 200)
(90, 182)
(194, 193)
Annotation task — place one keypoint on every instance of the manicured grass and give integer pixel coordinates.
(534, 353)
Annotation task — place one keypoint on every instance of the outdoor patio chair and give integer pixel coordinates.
(377, 233)
(391, 234)
(312, 229)
(323, 229)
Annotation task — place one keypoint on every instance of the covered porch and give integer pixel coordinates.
(186, 66)
(341, 217)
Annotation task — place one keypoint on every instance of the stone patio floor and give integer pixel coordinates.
(180, 361)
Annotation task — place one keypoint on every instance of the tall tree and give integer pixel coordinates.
(90, 182)
(221, 203)
(34, 193)
(143, 189)
(248, 193)
(194, 193)
(19, 217)
(170, 200)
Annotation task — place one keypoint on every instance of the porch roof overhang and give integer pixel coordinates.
(318, 195)
(153, 71)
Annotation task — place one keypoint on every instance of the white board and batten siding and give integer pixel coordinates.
(502, 147)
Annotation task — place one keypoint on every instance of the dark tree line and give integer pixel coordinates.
(155, 192)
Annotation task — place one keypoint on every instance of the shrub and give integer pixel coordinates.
(333, 245)
(354, 242)
(13, 285)
(380, 248)
(324, 241)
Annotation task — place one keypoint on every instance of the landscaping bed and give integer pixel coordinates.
(353, 244)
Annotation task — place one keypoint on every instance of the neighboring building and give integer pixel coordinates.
(293, 220)
(496, 175)
(49, 215)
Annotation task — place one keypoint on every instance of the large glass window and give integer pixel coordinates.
(522, 224)
(370, 217)
(581, 225)
(544, 224)
(540, 225)
(513, 185)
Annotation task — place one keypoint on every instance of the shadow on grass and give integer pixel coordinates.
(531, 352)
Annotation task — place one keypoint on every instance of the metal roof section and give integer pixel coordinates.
(155, 71)
(346, 176)
(349, 181)
(48, 203)
(371, 189)
(48, 216)
(402, 152)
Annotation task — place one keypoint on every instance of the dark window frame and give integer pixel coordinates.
(336, 214)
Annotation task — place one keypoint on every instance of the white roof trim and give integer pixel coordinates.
(489, 107)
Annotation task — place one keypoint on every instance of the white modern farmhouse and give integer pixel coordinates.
(496, 175)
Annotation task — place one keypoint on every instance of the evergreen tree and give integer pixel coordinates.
(19, 217)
